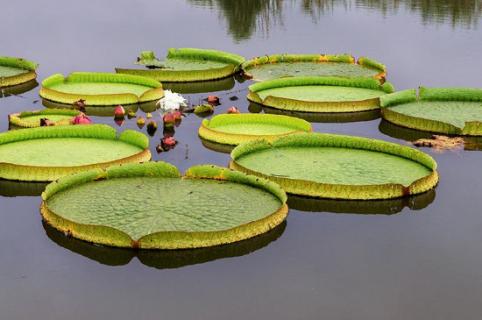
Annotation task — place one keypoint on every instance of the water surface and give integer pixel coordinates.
(416, 264)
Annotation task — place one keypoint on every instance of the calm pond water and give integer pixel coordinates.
(330, 260)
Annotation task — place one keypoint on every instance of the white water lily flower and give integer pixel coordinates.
(171, 101)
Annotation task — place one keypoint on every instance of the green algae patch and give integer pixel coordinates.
(16, 71)
(337, 166)
(100, 89)
(187, 65)
(32, 119)
(151, 206)
(455, 111)
(294, 65)
(233, 129)
(320, 94)
(48, 153)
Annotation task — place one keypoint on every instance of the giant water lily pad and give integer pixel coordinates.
(100, 89)
(187, 64)
(337, 166)
(15, 71)
(320, 94)
(33, 119)
(233, 129)
(150, 206)
(47, 153)
(293, 65)
(456, 111)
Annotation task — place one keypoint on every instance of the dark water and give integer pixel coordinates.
(331, 260)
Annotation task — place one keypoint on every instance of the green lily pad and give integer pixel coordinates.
(15, 71)
(187, 65)
(47, 153)
(100, 89)
(150, 206)
(308, 65)
(320, 94)
(450, 111)
(335, 166)
(233, 129)
(32, 119)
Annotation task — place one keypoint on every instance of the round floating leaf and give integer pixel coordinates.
(187, 65)
(320, 94)
(32, 119)
(233, 129)
(47, 153)
(100, 89)
(337, 166)
(456, 111)
(150, 206)
(15, 71)
(291, 65)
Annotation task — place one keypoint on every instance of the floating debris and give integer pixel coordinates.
(79, 105)
(44, 122)
(441, 143)
(119, 112)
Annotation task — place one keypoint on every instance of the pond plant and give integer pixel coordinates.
(15, 71)
(187, 65)
(453, 111)
(320, 94)
(159, 209)
(33, 119)
(100, 89)
(233, 129)
(48, 153)
(290, 65)
(338, 166)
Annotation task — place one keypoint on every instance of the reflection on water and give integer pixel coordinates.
(245, 17)
(200, 86)
(9, 188)
(327, 117)
(18, 89)
(249, 16)
(458, 13)
(162, 259)
(386, 207)
(101, 111)
(407, 134)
